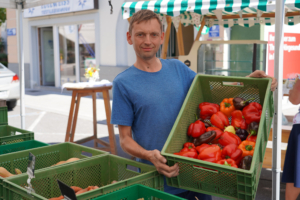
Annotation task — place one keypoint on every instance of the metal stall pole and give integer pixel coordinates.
(19, 5)
(278, 71)
(254, 57)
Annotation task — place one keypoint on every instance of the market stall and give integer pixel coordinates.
(227, 14)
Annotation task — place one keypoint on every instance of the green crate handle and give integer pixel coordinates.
(231, 85)
(131, 165)
(209, 170)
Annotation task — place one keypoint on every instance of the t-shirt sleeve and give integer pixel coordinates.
(122, 108)
(187, 72)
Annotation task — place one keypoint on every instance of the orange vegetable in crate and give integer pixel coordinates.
(76, 189)
(227, 107)
(208, 109)
(57, 198)
(196, 129)
(4, 173)
(247, 147)
(67, 161)
(72, 160)
(219, 120)
(189, 154)
(229, 138)
(252, 112)
(82, 191)
(237, 120)
(233, 152)
(227, 162)
(210, 154)
(252, 138)
(59, 163)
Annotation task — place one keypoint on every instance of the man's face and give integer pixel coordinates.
(146, 38)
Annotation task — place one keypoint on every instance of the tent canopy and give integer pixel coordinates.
(225, 13)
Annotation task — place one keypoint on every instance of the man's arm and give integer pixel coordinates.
(133, 148)
(294, 94)
(262, 74)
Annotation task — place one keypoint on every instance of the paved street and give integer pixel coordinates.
(47, 115)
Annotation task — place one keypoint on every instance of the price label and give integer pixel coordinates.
(67, 192)
(31, 166)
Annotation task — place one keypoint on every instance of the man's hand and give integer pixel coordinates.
(262, 74)
(160, 163)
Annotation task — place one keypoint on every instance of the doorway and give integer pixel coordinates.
(47, 57)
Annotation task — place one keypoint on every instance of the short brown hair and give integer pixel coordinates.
(143, 15)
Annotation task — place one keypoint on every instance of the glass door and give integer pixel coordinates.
(67, 40)
(48, 78)
(86, 34)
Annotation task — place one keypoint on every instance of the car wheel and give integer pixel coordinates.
(11, 104)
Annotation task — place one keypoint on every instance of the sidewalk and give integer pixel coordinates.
(55, 102)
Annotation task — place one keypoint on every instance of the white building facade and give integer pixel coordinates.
(62, 39)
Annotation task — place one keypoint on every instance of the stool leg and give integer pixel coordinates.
(70, 117)
(95, 119)
(112, 139)
(75, 118)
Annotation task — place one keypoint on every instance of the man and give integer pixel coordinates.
(147, 97)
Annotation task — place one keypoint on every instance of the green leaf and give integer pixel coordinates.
(2, 15)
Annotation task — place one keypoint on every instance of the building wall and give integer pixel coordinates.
(112, 51)
(12, 41)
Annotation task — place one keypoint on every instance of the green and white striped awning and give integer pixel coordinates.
(191, 11)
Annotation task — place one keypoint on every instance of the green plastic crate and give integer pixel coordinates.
(136, 192)
(11, 135)
(100, 171)
(3, 114)
(10, 148)
(45, 157)
(211, 178)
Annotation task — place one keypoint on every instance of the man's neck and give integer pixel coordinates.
(151, 65)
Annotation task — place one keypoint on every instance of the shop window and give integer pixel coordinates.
(231, 59)
(67, 39)
(86, 37)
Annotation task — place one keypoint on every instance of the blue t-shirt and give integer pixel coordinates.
(149, 102)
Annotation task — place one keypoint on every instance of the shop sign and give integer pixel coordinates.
(214, 31)
(60, 8)
(291, 54)
(11, 31)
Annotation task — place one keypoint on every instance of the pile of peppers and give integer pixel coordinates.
(224, 133)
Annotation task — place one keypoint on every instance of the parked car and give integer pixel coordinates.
(9, 87)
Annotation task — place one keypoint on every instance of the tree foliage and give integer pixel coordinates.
(2, 15)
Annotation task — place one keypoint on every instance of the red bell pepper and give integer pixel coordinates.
(210, 154)
(252, 112)
(218, 133)
(188, 154)
(252, 138)
(229, 138)
(196, 129)
(201, 147)
(185, 149)
(208, 109)
(189, 145)
(219, 120)
(227, 162)
(232, 151)
(237, 120)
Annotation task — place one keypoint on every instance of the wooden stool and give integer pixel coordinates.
(77, 93)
